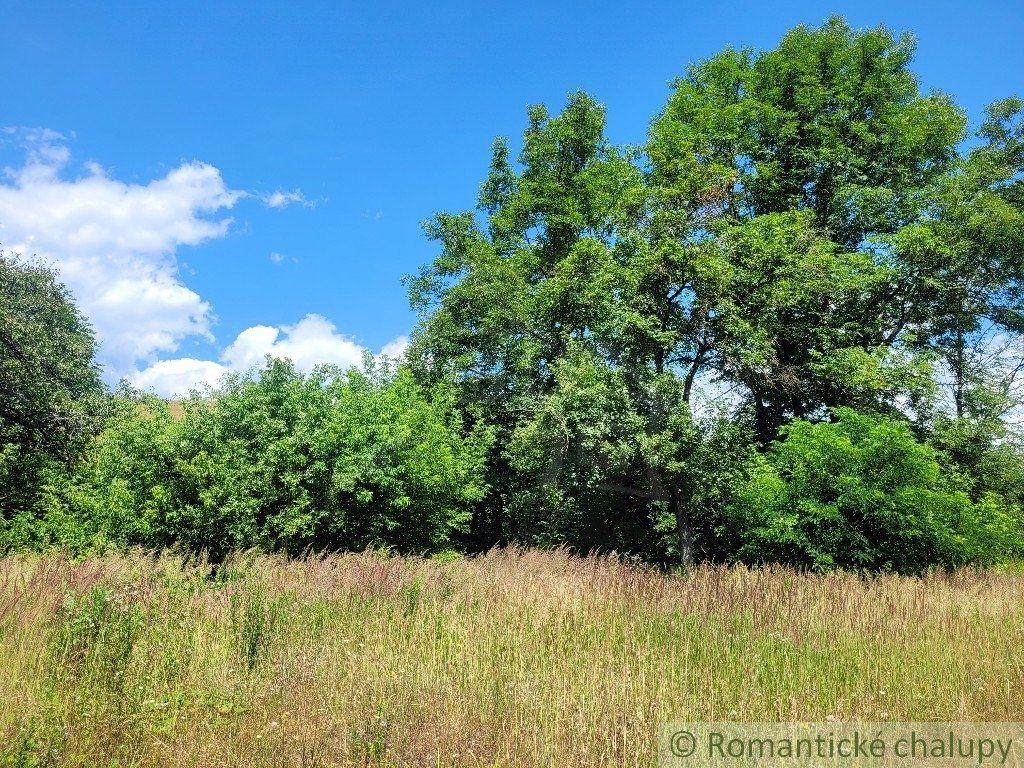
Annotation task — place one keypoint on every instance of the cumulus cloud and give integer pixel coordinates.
(396, 348)
(312, 341)
(176, 378)
(114, 243)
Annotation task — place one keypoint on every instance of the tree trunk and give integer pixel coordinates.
(684, 528)
(677, 501)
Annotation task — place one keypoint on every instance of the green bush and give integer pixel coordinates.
(860, 492)
(281, 462)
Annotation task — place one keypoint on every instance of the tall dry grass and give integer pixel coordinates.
(516, 658)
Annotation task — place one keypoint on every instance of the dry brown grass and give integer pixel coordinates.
(511, 659)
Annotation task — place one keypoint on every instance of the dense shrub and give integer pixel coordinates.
(282, 462)
(860, 492)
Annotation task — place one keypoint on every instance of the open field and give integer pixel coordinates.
(510, 659)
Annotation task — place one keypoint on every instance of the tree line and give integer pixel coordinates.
(786, 328)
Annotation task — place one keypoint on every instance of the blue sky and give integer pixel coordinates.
(221, 179)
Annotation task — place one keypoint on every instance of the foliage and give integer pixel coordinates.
(789, 326)
(800, 230)
(986, 454)
(51, 397)
(861, 493)
(283, 462)
(801, 178)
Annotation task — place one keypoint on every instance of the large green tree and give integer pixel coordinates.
(799, 233)
(51, 396)
(816, 172)
(538, 309)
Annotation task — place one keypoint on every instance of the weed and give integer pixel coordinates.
(514, 658)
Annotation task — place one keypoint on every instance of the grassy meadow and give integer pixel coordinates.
(515, 658)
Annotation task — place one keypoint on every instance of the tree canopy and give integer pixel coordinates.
(788, 327)
(51, 395)
(801, 232)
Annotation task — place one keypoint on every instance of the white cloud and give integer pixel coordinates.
(176, 378)
(280, 258)
(282, 198)
(310, 342)
(396, 348)
(114, 243)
